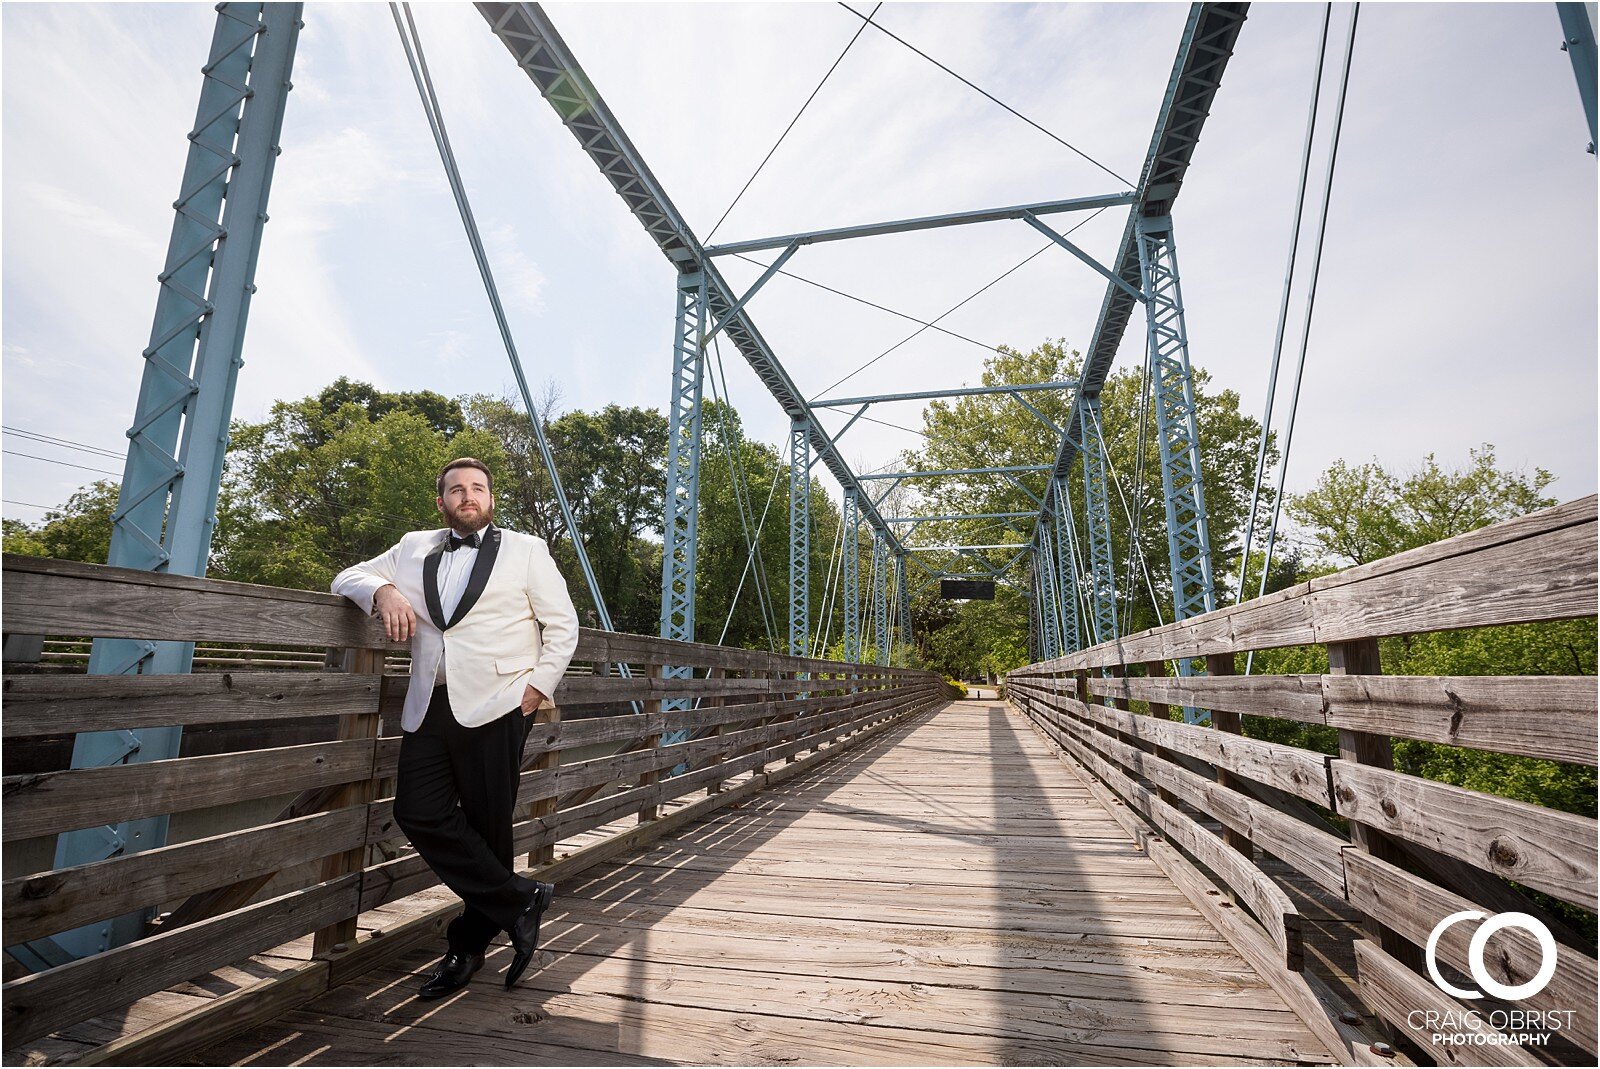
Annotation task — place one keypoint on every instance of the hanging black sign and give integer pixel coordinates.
(966, 589)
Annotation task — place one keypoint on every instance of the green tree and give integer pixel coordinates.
(79, 530)
(1356, 514)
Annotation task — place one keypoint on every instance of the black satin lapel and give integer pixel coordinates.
(430, 583)
(480, 574)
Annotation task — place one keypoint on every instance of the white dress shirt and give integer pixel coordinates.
(455, 568)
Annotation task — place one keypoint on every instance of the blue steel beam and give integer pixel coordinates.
(1204, 49)
(928, 395)
(960, 516)
(166, 512)
(850, 516)
(926, 222)
(880, 597)
(1577, 41)
(1097, 516)
(955, 471)
(799, 541)
(1050, 613)
(1172, 381)
(679, 531)
(903, 597)
(527, 33)
(1067, 569)
(1098, 267)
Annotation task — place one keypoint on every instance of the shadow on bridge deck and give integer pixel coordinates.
(949, 893)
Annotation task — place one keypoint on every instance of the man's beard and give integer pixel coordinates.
(469, 524)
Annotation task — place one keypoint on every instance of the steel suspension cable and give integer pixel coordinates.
(933, 323)
(1283, 306)
(1116, 481)
(1311, 300)
(867, 19)
(412, 43)
(736, 477)
(786, 129)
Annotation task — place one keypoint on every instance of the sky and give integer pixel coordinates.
(1455, 307)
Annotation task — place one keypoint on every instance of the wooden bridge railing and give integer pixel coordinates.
(1416, 851)
(747, 710)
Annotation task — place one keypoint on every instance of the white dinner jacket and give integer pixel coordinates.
(515, 625)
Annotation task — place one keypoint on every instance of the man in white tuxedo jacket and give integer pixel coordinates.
(494, 633)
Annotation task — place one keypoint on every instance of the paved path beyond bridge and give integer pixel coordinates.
(948, 893)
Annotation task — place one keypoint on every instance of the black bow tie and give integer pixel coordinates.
(455, 543)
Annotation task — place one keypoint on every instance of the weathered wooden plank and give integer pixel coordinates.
(364, 729)
(39, 1004)
(1552, 717)
(1286, 697)
(56, 597)
(82, 797)
(1289, 768)
(1413, 907)
(61, 899)
(55, 704)
(1550, 578)
(1540, 848)
(1427, 1016)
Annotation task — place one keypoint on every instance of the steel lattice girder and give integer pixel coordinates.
(903, 597)
(679, 532)
(850, 517)
(166, 512)
(1188, 533)
(880, 597)
(1067, 569)
(1097, 517)
(1050, 615)
(529, 36)
(799, 541)
(1203, 54)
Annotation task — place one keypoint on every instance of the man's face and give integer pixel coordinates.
(466, 503)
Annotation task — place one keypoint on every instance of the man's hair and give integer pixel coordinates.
(465, 462)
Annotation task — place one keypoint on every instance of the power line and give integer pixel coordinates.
(867, 19)
(872, 304)
(63, 463)
(66, 442)
(792, 121)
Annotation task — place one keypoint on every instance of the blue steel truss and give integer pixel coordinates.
(903, 598)
(880, 597)
(683, 461)
(1188, 530)
(1067, 569)
(1097, 517)
(166, 512)
(851, 518)
(1050, 612)
(799, 540)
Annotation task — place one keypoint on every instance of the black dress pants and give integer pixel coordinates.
(455, 799)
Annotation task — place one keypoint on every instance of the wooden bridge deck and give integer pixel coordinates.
(949, 893)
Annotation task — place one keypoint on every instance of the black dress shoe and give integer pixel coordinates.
(449, 975)
(525, 933)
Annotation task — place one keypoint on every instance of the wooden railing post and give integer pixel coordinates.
(716, 732)
(362, 726)
(1360, 657)
(545, 805)
(652, 706)
(1160, 711)
(1223, 664)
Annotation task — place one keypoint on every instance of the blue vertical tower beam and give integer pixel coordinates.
(851, 518)
(903, 597)
(880, 596)
(799, 539)
(166, 513)
(1035, 646)
(683, 462)
(1577, 41)
(1097, 517)
(1188, 529)
(1049, 602)
(1067, 570)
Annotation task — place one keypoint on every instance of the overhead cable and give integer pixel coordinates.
(412, 43)
(867, 19)
(786, 129)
